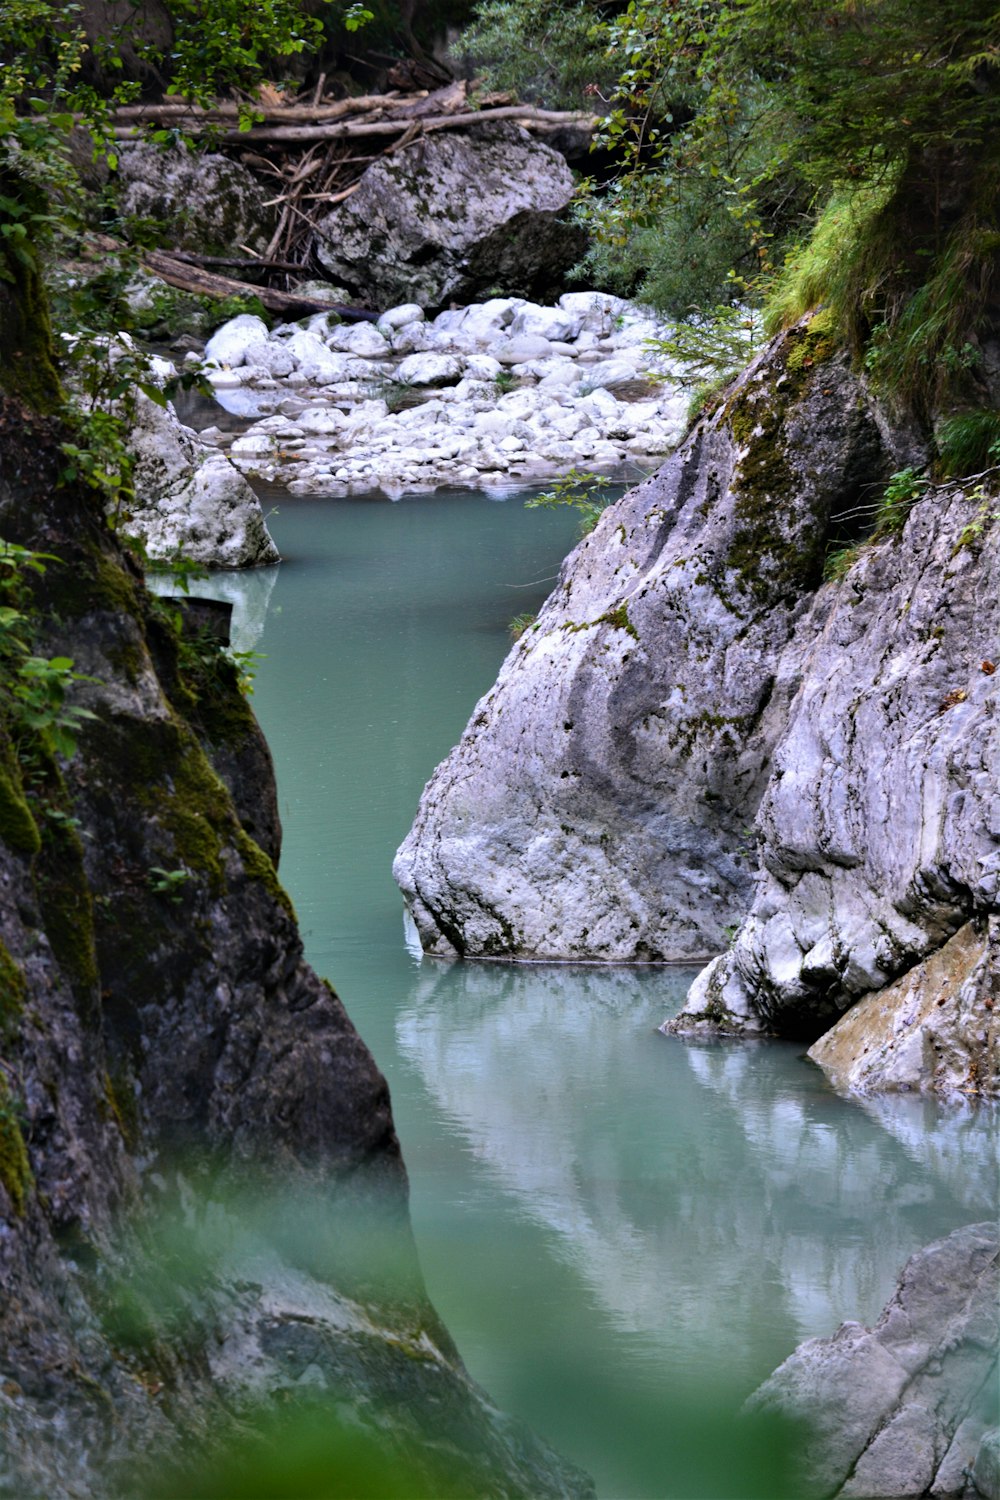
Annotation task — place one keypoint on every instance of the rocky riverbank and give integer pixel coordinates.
(700, 745)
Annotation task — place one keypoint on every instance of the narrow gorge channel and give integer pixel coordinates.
(624, 1232)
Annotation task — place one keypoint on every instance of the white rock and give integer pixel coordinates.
(363, 339)
(428, 369)
(400, 317)
(228, 345)
(482, 367)
(518, 351)
(552, 323)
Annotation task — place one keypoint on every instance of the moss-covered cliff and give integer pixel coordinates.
(162, 1039)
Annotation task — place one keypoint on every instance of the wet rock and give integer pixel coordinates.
(208, 202)
(902, 1408)
(452, 217)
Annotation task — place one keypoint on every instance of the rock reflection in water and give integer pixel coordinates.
(717, 1199)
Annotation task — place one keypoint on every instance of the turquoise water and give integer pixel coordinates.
(619, 1229)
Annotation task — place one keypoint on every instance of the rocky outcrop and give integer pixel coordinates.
(203, 202)
(879, 826)
(698, 730)
(601, 802)
(190, 500)
(198, 1167)
(453, 218)
(910, 1406)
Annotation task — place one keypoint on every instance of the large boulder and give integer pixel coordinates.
(455, 218)
(908, 1407)
(600, 804)
(201, 203)
(190, 500)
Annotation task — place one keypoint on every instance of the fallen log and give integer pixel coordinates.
(187, 277)
(523, 114)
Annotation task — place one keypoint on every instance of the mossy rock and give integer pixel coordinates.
(15, 1168)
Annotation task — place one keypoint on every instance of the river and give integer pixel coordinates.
(624, 1232)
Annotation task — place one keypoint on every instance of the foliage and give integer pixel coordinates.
(35, 691)
(540, 51)
(520, 623)
(710, 349)
(582, 491)
(169, 883)
(968, 442)
(901, 493)
(866, 138)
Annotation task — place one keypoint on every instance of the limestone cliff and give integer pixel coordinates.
(699, 730)
(162, 1039)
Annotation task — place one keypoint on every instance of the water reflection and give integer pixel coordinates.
(719, 1200)
(249, 593)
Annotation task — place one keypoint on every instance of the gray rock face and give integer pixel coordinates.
(190, 499)
(455, 218)
(199, 1173)
(209, 202)
(880, 826)
(600, 804)
(905, 1408)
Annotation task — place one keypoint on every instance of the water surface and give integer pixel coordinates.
(618, 1228)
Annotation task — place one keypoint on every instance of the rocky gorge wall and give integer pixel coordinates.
(702, 748)
(166, 1056)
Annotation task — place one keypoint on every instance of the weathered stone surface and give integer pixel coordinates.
(933, 1029)
(177, 1061)
(190, 499)
(601, 800)
(206, 202)
(453, 217)
(892, 1408)
(880, 827)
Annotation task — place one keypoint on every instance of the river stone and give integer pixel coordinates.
(428, 369)
(454, 216)
(521, 349)
(885, 1404)
(190, 500)
(203, 202)
(228, 345)
(598, 804)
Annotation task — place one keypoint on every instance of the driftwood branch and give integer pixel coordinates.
(187, 277)
(524, 114)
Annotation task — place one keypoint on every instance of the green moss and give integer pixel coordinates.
(198, 814)
(123, 1107)
(766, 561)
(67, 908)
(13, 993)
(617, 617)
(95, 583)
(18, 829)
(259, 867)
(15, 1169)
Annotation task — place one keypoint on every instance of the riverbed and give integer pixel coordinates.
(623, 1232)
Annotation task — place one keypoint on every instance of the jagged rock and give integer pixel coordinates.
(454, 216)
(902, 1408)
(879, 828)
(207, 202)
(600, 802)
(190, 500)
(176, 1061)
